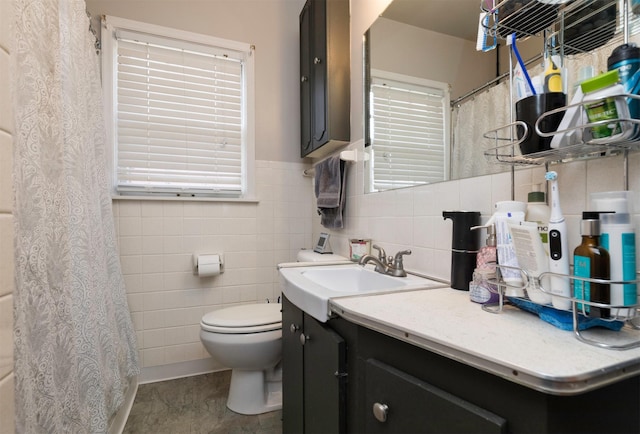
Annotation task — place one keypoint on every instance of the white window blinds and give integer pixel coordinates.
(409, 134)
(179, 111)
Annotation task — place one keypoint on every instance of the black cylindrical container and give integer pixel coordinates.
(464, 246)
(626, 59)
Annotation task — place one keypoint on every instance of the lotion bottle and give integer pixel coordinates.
(619, 238)
(481, 288)
(487, 257)
(538, 212)
(592, 261)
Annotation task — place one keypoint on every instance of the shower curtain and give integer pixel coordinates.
(75, 347)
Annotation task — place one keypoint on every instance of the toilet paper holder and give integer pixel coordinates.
(208, 264)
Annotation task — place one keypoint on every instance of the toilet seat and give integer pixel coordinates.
(248, 318)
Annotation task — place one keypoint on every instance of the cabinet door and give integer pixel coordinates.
(292, 373)
(324, 379)
(319, 66)
(396, 402)
(305, 79)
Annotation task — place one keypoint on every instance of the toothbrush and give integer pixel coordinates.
(558, 248)
(511, 40)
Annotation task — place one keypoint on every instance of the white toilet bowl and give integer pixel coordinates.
(248, 339)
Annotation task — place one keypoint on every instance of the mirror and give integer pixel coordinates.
(427, 49)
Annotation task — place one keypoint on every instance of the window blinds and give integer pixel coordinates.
(179, 117)
(408, 134)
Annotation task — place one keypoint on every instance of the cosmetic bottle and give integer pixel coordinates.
(591, 260)
(487, 258)
(617, 235)
(482, 289)
(506, 212)
(538, 212)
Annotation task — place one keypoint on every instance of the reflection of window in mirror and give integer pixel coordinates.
(409, 127)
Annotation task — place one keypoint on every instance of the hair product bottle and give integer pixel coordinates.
(591, 260)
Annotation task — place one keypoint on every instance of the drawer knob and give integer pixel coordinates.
(293, 328)
(303, 338)
(317, 60)
(380, 411)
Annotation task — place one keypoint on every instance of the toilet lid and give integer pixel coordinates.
(247, 318)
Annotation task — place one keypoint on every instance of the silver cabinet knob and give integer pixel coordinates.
(303, 338)
(304, 79)
(317, 60)
(380, 411)
(294, 328)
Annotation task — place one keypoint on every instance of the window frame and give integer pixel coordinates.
(110, 25)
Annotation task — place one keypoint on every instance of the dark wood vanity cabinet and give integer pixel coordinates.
(340, 377)
(324, 76)
(313, 376)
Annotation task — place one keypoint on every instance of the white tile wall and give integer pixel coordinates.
(157, 240)
(412, 218)
(6, 227)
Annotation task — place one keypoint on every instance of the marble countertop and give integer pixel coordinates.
(513, 344)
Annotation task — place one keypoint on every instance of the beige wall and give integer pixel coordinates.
(416, 52)
(6, 227)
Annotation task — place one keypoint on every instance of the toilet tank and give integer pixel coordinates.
(311, 256)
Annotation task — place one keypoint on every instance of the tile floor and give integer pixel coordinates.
(194, 405)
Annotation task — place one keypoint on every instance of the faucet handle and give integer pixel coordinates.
(382, 255)
(397, 261)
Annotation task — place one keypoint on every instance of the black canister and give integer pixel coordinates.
(626, 59)
(464, 246)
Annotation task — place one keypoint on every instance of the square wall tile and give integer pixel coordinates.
(6, 112)
(6, 19)
(6, 254)
(6, 170)
(6, 335)
(7, 402)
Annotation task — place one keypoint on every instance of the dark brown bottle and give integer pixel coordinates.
(591, 260)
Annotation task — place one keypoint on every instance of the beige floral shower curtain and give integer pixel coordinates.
(75, 345)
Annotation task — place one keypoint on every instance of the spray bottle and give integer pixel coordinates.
(558, 248)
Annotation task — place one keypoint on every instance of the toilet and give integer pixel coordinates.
(248, 339)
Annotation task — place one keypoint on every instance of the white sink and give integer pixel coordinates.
(311, 287)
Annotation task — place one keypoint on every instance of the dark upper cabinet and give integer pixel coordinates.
(324, 77)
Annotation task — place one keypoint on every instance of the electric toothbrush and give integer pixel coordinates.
(558, 248)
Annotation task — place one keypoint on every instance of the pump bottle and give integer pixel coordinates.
(592, 261)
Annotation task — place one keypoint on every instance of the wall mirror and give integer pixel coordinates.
(424, 54)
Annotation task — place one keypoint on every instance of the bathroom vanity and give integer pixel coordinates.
(432, 361)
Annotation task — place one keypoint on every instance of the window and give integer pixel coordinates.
(179, 111)
(410, 131)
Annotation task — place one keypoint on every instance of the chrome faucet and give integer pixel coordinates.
(392, 266)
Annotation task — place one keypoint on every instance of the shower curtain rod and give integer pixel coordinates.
(490, 83)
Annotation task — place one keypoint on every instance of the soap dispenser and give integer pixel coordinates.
(464, 246)
(483, 289)
(487, 257)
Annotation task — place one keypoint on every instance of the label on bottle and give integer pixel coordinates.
(581, 288)
(620, 242)
(603, 110)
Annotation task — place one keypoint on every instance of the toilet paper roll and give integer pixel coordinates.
(208, 265)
